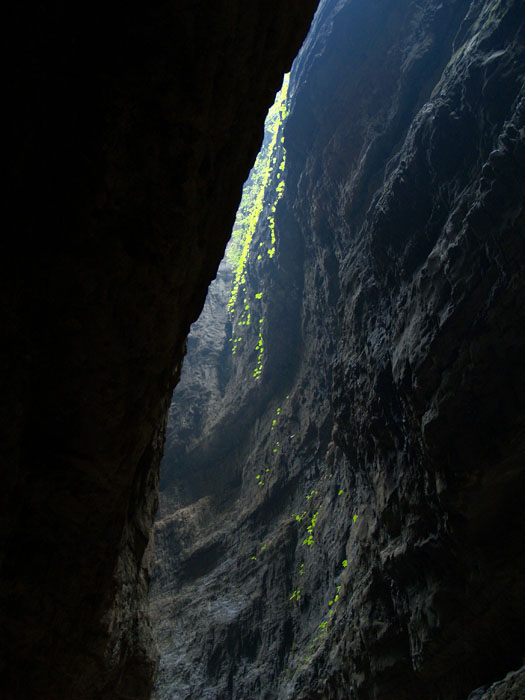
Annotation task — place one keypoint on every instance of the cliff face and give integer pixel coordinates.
(347, 522)
(131, 132)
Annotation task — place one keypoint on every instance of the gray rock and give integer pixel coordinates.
(512, 687)
(389, 412)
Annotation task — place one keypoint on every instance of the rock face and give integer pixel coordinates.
(131, 133)
(512, 686)
(349, 523)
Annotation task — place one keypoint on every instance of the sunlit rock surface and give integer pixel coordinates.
(131, 129)
(389, 415)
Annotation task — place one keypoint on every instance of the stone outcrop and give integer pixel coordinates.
(512, 686)
(131, 130)
(349, 524)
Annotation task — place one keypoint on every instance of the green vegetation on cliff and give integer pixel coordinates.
(255, 193)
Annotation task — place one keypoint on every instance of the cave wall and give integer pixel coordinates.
(130, 132)
(389, 416)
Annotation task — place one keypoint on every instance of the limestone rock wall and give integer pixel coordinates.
(351, 525)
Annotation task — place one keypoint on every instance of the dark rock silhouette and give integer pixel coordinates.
(130, 132)
(349, 525)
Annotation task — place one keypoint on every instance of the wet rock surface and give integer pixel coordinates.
(349, 525)
(131, 131)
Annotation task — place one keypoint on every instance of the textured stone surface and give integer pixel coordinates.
(512, 687)
(131, 131)
(393, 333)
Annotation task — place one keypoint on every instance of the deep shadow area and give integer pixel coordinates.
(130, 133)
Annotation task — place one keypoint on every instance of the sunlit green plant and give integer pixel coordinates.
(254, 192)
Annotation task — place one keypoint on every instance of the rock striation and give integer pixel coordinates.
(130, 134)
(349, 523)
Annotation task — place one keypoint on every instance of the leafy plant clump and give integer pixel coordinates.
(257, 193)
(310, 529)
(254, 192)
(296, 595)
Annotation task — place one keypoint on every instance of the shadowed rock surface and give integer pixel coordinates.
(350, 524)
(512, 686)
(131, 130)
